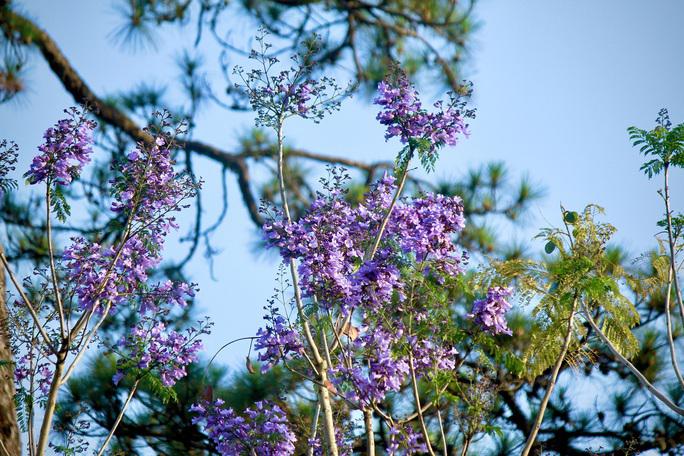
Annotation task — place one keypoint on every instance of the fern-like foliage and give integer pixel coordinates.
(663, 146)
(578, 272)
(8, 159)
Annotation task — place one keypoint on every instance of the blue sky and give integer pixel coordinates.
(556, 85)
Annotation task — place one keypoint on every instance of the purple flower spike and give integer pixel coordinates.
(403, 115)
(67, 147)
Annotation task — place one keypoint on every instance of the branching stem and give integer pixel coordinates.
(552, 382)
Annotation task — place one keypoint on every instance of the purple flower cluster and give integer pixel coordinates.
(278, 340)
(381, 364)
(103, 274)
(426, 228)
(67, 147)
(40, 372)
(22, 369)
(429, 356)
(405, 440)
(293, 98)
(489, 312)
(405, 117)
(344, 445)
(326, 242)
(385, 372)
(331, 240)
(166, 294)
(44, 378)
(262, 429)
(148, 192)
(278, 94)
(150, 346)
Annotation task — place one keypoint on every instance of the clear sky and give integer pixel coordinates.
(556, 85)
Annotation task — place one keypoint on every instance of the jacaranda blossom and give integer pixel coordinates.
(67, 147)
(404, 116)
(262, 429)
(152, 346)
(331, 243)
(277, 341)
(490, 312)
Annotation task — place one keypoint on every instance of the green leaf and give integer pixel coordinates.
(549, 247)
(570, 217)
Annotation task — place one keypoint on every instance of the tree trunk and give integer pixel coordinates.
(9, 431)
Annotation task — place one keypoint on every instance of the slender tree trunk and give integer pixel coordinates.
(466, 445)
(51, 406)
(671, 244)
(370, 436)
(323, 392)
(552, 382)
(9, 430)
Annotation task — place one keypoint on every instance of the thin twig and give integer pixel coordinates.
(643, 380)
(28, 304)
(445, 449)
(670, 339)
(119, 418)
(53, 269)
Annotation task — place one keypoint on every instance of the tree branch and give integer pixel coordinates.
(19, 28)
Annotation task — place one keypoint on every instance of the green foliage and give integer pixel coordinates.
(59, 204)
(663, 146)
(570, 217)
(549, 247)
(23, 401)
(157, 388)
(582, 271)
(428, 157)
(676, 223)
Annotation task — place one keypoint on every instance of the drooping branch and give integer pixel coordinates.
(20, 29)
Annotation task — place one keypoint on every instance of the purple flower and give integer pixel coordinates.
(403, 115)
(278, 341)
(489, 312)
(148, 193)
(151, 346)
(22, 369)
(262, 429)
(380, 372)
(102, 275)
(429, 356)
(116, 378)
(405, 440)
(277, 94)
(331, 239)
(344, 445)
(425, 228)
(44, 374)
(67, 147)
(151, 192)
(330, 243)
